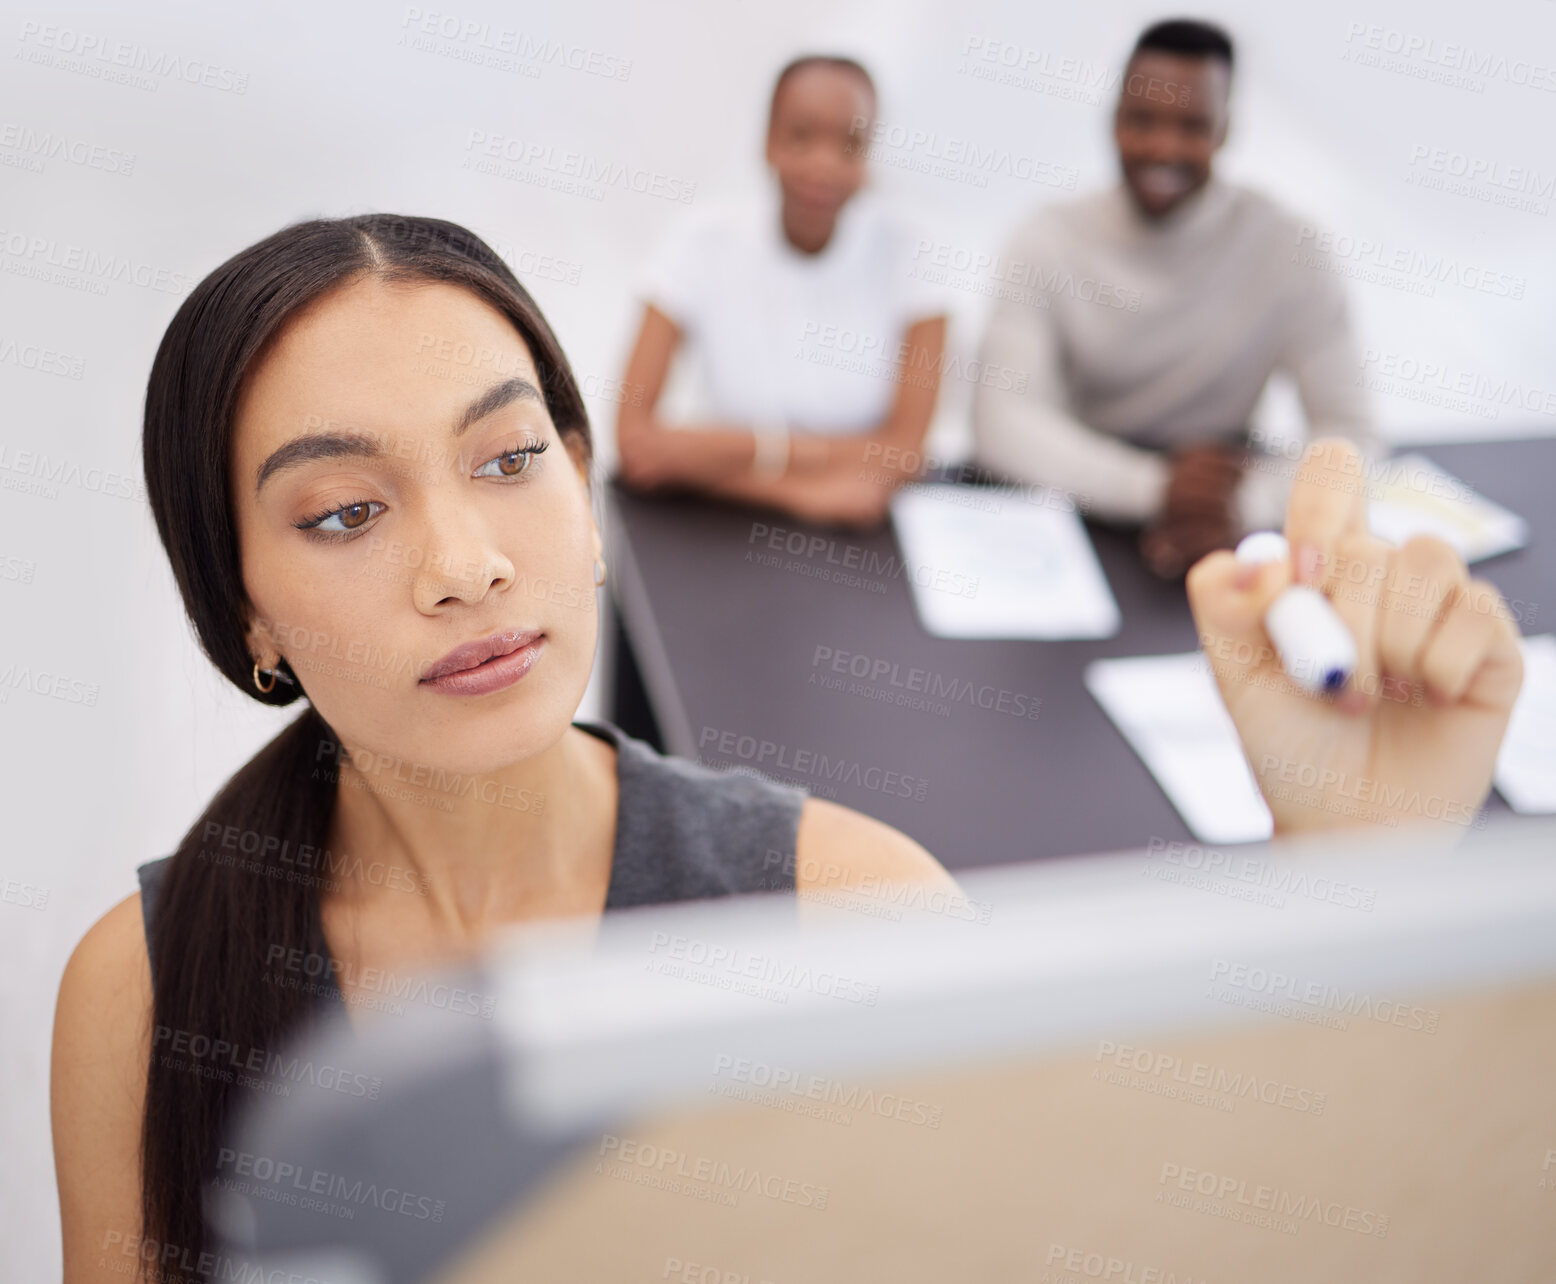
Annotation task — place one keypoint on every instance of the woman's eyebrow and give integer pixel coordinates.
(341, 445)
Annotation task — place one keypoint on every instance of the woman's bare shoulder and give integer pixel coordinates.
(842, 848)
(110, 956)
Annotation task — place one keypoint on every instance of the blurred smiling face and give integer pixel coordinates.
(1171, 119)
(401, 494)
(817, 141)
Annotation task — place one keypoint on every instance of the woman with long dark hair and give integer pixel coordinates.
(368, 463)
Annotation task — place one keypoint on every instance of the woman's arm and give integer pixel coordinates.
(848, 479)
(653, 454)
(97, 1088)
(843, 479)
(893, 451)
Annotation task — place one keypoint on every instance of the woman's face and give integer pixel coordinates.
(400, 491)
(818, 139)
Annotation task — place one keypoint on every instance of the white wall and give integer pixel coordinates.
(340, 115)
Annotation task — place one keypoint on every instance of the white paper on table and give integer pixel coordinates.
(992, 566)
(1170, 711)
(1413, 496)
(1526, 764)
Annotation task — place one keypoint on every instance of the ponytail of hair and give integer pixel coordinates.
(223, 916)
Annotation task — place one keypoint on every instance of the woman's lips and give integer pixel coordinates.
(515, 655)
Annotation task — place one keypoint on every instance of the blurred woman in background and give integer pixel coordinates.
(819, 347)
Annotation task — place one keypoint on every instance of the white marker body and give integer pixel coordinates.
(1316, 650)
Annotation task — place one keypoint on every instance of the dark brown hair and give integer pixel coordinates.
(1187, 38)
(216, 924)
(815, 60)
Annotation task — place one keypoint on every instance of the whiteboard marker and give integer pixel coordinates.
(1316, 649)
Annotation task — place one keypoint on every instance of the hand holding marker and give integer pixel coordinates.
(1315, 648)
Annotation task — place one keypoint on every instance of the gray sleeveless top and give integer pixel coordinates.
(683, 832)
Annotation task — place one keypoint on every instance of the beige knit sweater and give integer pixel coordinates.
(1135, 335)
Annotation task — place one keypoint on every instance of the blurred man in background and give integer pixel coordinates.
(1149, 317)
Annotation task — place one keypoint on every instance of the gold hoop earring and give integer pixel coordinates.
(271, 672)
(599, 572)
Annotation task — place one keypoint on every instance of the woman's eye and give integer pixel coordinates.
(349, 517)
(511, 463)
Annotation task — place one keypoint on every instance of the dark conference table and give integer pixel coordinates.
(735, 658)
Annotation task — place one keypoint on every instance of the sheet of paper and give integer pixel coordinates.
(1526, 765)
(1413, 496)
(1169, 710)
(986, 564)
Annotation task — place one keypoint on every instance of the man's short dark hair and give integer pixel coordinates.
(1186, 38)
(817, 60)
